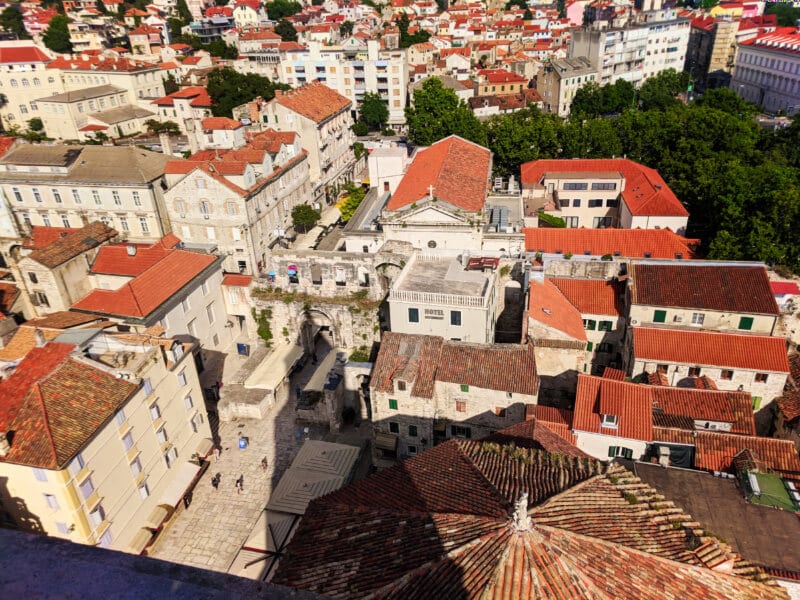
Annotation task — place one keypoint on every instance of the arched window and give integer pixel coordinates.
(37, 82)
(13, 83)
(26, 83)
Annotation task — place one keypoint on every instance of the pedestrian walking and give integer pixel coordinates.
(264, 464)
(240, 484)
(215, 481)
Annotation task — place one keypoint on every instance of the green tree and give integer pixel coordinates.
(348, 207)
(229, 88)
(373, 110)
(437, 112)
(170, 85)
(278, 9)
(156, 127)
(527, 15)
(101, 7)
(786, 13)
(661, 90)
(304, 217)
(56, 36)
(286, 30)
(519, 137)
(407, 39)
(221, 49)
(360, 128)
(175, 26)
(35, 124)
(587, 102)
(346, 29)
(11, 21)
(728, 101)
(184, 13)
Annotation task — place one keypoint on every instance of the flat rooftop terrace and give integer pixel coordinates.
(442, 277)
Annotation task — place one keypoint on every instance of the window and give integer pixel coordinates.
(185, 305)
(564, 203)
(148, 387)
(96, 196)
(726, 374)
(614, 451)
(205, 208)
(576, 186)
(464, 387)
(413, 315)
(604, 347)
(188, 402)
(609, 421)
(605, 326)
(143, 224)
(595, 203)
(460, 432)
(603, 186)
(36, 195)
(412, 431)
(123, 222)
(87, 487)
(756, 402)
(197, 420)
(40, 474)
(97, 516)
(612, 203)
(590, 324)
(155, 411)
(182, 378)
(76, 465)
(117, 199)
(694, 371)
(62, 528)
(698, 318)
(144, 491)
(461, 406)
(170, 456)
(455, 318)
(392, 404)
(65, 220)
(394, 427)
(136, 466)
(137, 200)
(660, 316)
(412, 449)
(210, 313)
(57, 196)
(32, 276)
(576, 203)
(761, 377)
(190, 327)
(211, 233)
(662, 368)
(746, 323)
(161, 435)
(46, 220)
(17, 194)
(572, 222)
(127, 440)
(204, 288)
(51, 500)
(401, 386)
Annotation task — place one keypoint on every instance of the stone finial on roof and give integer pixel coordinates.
(522, 522)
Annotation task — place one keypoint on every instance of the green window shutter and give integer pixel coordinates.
(612, 451)
(660, 316)
(746, 323)
(628, 453)
(756, 402)
(589, 346)
(393, 404)
(464, 387)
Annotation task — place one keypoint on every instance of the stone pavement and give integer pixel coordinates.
(211, 531)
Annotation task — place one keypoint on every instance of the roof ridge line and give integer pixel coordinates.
(37, 390)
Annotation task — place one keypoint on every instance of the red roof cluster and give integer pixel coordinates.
(645, 193)
(130, 260)
(458, 170)
(592, 296)
(87, 62)
(42, 236)
(716, 452)
(548, 306)
(315, 101)
(197, 94)
(22, 54)
(220, 123)
(501, 76)
(631, 243)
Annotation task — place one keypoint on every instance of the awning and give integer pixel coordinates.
(386, 441)
(156, 518)
(274, 368)
(205, 447)
(184, 476)
(140, 541)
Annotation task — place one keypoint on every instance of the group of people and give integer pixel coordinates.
(215, 480)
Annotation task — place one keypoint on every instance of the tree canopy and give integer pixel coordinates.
(787, 14)
(409, 39)
(304, 217)
(373, 110)
(11, 21)
(346, 29)
(437, 112)
(183, 12)
(229, 88)
(56, 36)
(278, 9)
(286, 30)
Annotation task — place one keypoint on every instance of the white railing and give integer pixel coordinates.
(434, 298)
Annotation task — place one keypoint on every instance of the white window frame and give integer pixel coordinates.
(611, 421)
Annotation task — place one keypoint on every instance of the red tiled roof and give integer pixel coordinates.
(789, 402)
(715, 451)
(659, 243)
(501, 76)
(41, 236)
(707, 405)
(615, 374)
(5, 144)
(782, 288)
(557, 420)
(628, 401)
(9, 293)
(234, 280)
(423, 360)
(727, 288)
(537, 434)
(751, 352)
(22, 54)
(86, 62)
(315, 101)
(73, 244)
(592, 296)
(645, 191)
(457, 169)
(116, 259)
(146, 292)
(548, 306)
(54, 405)
(198, 94)
(93, 128)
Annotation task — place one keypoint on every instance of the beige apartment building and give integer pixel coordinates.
(104, 438)
(560, 80)
(436, 295)
(65, 186)
(24, 79)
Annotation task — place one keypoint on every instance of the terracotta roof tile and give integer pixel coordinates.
(6, 144)
(715, 451)
(235, 280)
(9, 293)
(22, 54)
(781, 288)
(616, 374)
(632, 243)
(315, 101)
(645, 193)
(44, 236)
(707, 405)
(728, 288)
(629, 402)
(752, 352)
(538, 435)
(54, 405)
(592, 296)
(457, 169)
(73, 244)
(789, 402)
(218, 123)
(132, 259)
(547, 305)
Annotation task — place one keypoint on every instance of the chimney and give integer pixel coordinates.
(166, 143)
(5, 445)
(40, 341)
(131, 250)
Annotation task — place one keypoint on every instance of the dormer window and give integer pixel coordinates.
(401, 386)
(609, 421)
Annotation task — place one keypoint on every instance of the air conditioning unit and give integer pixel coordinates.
(634, 321)
(206, 217)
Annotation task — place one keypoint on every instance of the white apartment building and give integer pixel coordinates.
(116, 476)
(616, 53)
(61, 186)
(767, 71)
(560, 80)
(667, 40)
(239, 200)
(24, 79)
